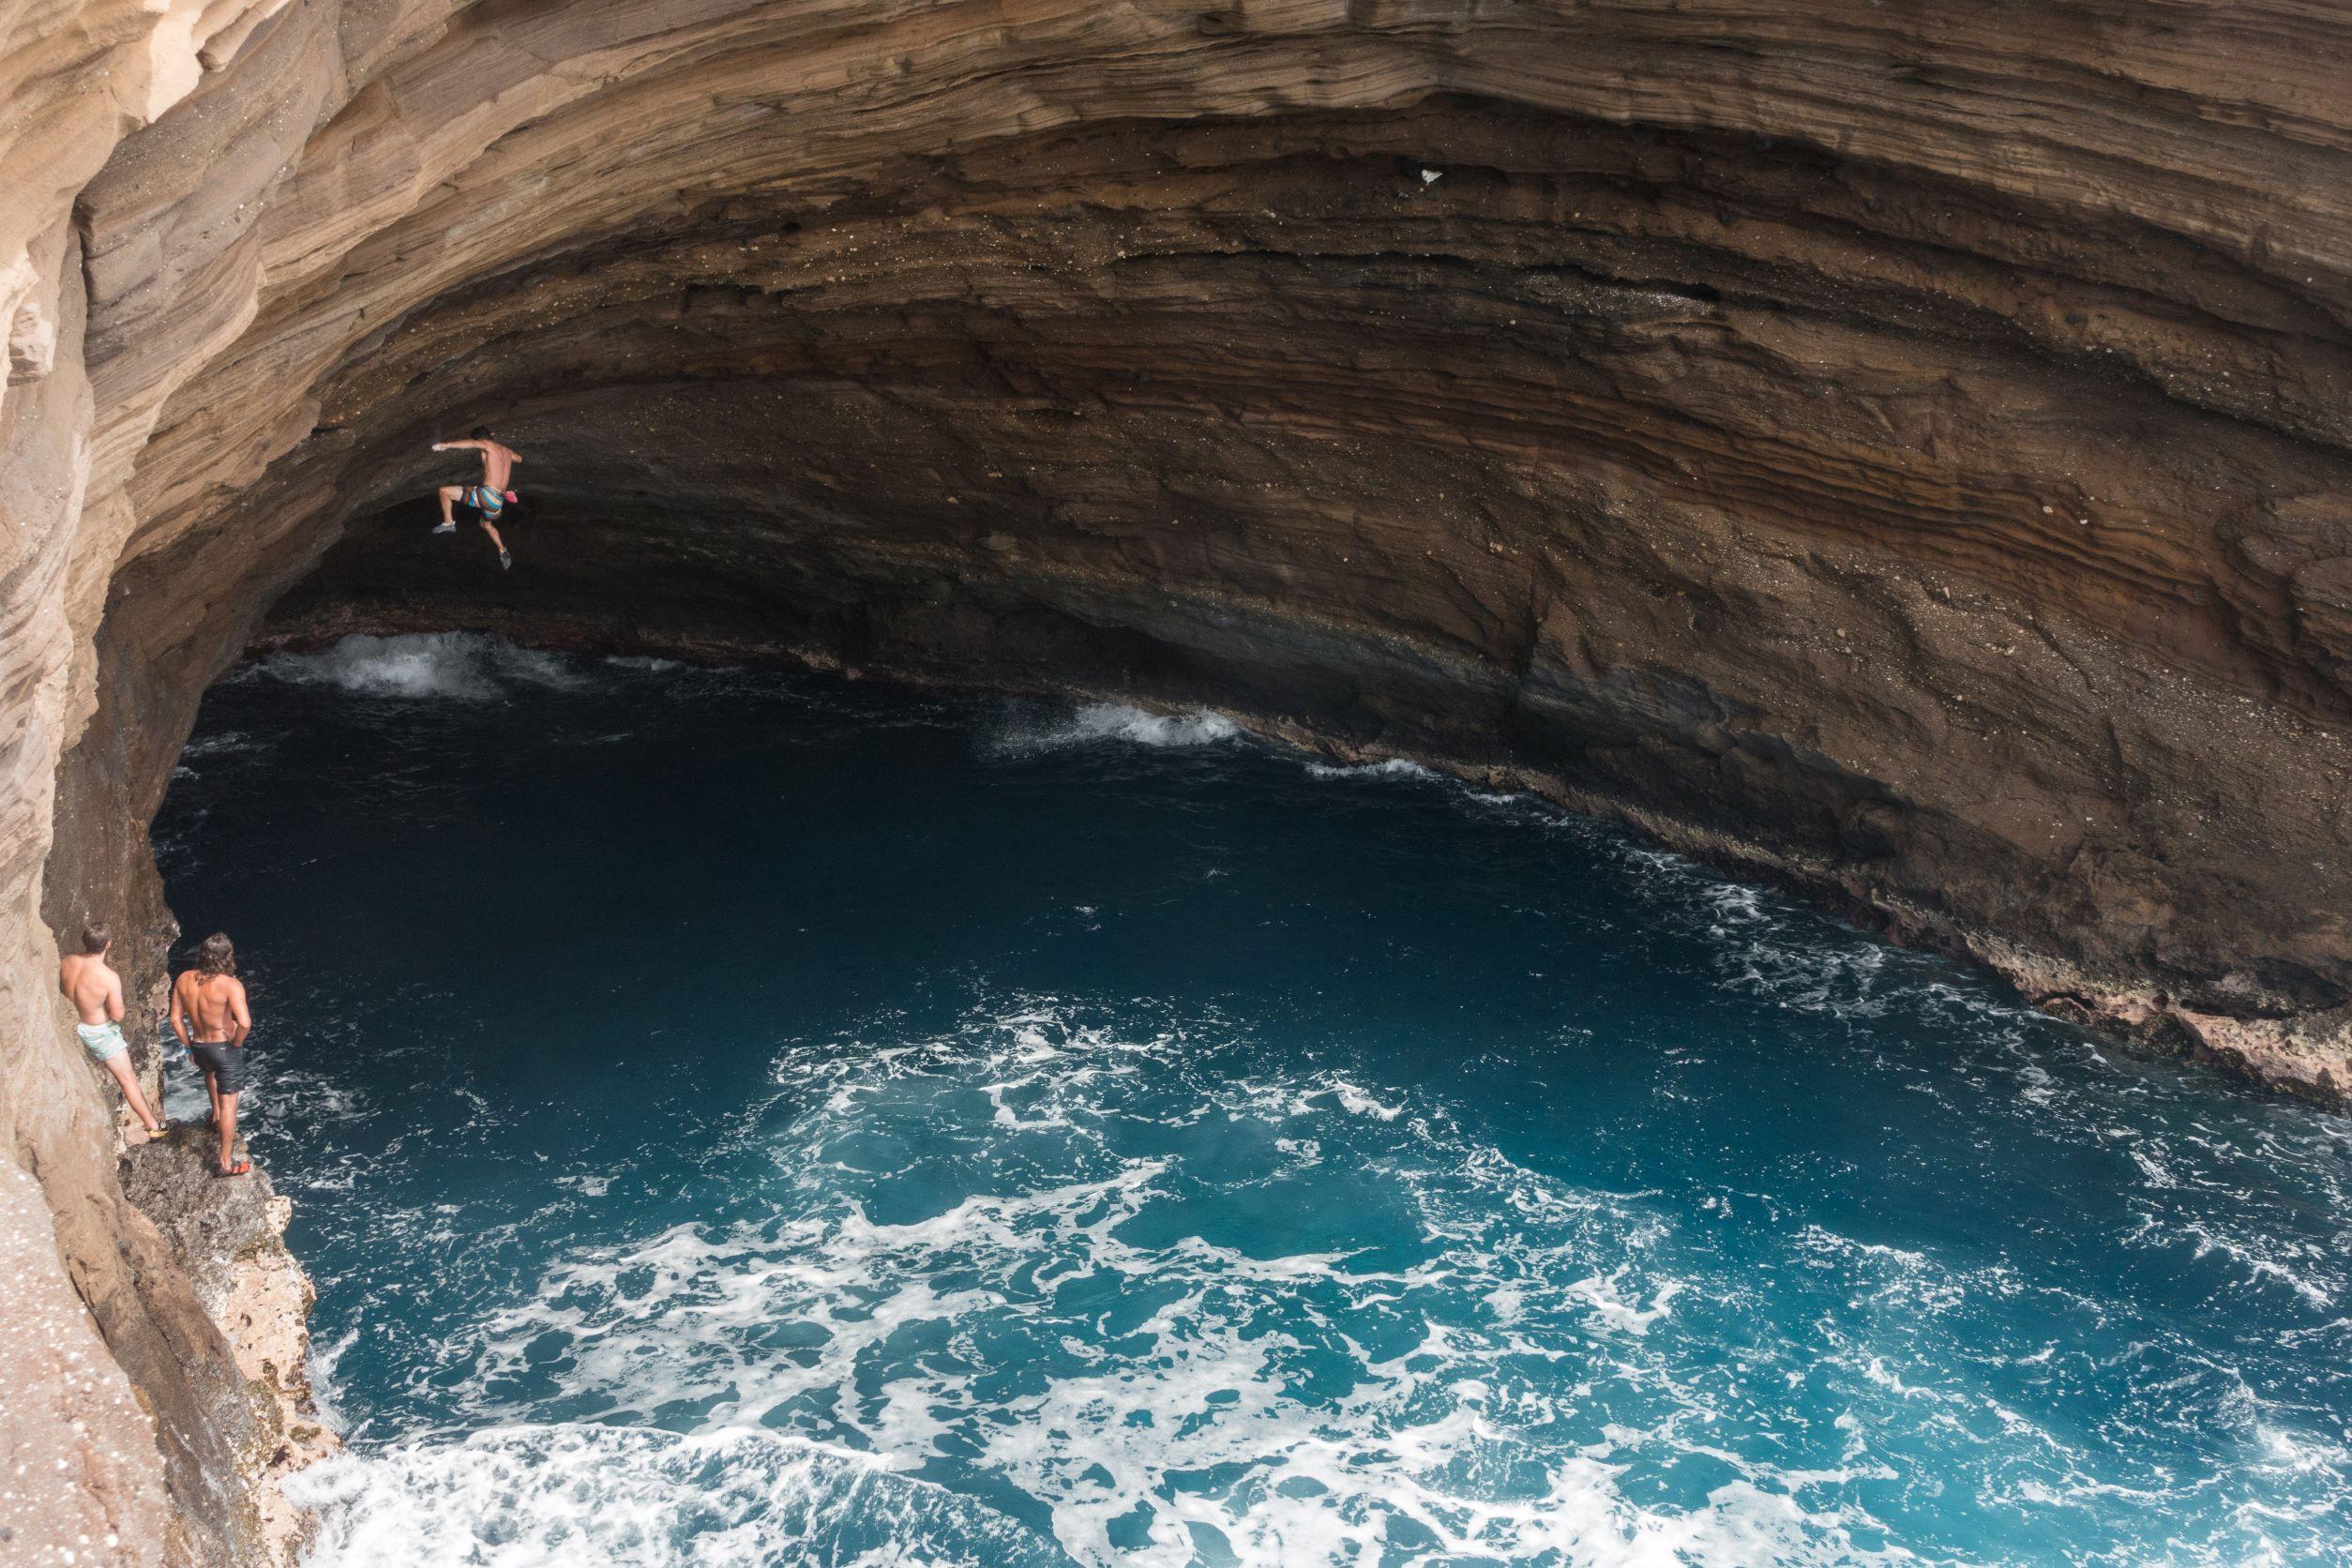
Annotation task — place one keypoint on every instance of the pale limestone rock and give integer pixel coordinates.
(78, 1468)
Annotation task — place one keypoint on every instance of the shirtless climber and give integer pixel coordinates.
(95, 991)
(210, 1016)
(491, 496)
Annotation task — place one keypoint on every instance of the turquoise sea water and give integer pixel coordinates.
(747, 1118)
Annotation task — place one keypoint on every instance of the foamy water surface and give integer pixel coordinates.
(742, 1118)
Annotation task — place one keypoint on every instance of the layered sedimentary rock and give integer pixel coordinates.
(1899, 447)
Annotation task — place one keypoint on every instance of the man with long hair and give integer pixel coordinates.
(210, 1016)
(95, 991)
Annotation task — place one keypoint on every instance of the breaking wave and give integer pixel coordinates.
(1030, 733)
(467, 666)
(1388, 767)
(538, 1496)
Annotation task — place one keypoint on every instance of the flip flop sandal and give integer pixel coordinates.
(240, 1169)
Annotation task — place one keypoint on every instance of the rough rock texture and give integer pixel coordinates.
(1901, 445)
(77, 1455)
(233, 1235)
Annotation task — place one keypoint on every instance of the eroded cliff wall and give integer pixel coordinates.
(1899, 445)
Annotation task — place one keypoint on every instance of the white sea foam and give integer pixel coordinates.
(325, 1392)
(1149, 1392)
(461, 665)
(1841, 979)
(1388, 767)
(1174, 1431)
(220, 742)
(2263, 1261)
(1768, 946)
(1359, 1103)
(545, 1495)
(1097, 723)
(1613, 1310)
(538, 1497)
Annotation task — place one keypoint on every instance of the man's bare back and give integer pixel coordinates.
(210, 1016)
(95, 991)
(214, 1009)
(93, 986)
(498, 460)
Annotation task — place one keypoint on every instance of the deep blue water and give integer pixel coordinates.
(749, 1118)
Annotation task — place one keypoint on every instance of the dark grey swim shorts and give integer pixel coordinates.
(226, 1062)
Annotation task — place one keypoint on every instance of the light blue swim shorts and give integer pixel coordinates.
(103, 1041)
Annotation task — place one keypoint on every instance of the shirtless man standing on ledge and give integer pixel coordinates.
(210, 1001)
(95, 991)
(491, 496)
